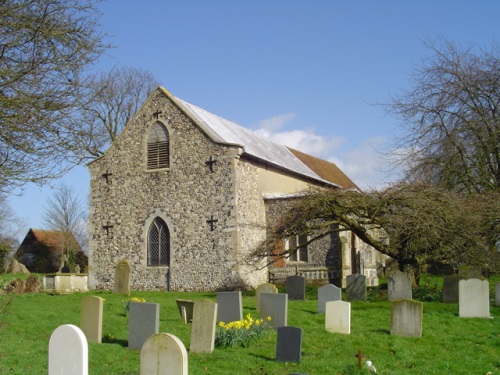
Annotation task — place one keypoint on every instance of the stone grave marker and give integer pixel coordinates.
(338, 317)
(122, 278)
(263, 288)
(164, 354)
(143, 322)
(91, 318)
(185, 307)
(497, 293)
(274, 305)
(406, 318)
(399, 286)
(296, 287)
(356, 287)
(450, 288)
(327, 293)
(229, 307)
(288, 344)
(68, 351)
(203, 329)
(474, 298)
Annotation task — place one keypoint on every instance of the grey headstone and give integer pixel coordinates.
(296, 287)
(68, 351)
(263, 288)
(203, 329)
(406, 318)
(91, 318)
(474, 298)
(274, 305)
(122, 278)
(497, 293)
(327, 293)
(164, 354)
(288, 344)
(356, 287)
(185, 307)
(450, 288)
(143, 322)
(229, 307)
(338, 317)
(399, 286)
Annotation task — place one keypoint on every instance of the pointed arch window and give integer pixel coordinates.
(158, 147)
(158, 244)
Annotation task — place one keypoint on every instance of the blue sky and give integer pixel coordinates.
(309, 74)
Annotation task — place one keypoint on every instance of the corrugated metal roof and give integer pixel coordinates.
(225, 131)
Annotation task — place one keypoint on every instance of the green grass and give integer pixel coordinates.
(449, 345)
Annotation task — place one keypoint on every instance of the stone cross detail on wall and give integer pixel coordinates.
(157, 114)
(107, 227)
(211, 163)
(212, 221)
(106, 176)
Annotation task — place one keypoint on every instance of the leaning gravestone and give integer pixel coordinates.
(497, 293)
(274, 305)
(91, 318)
(229, 307)
(406, 318)
(474, 298)
(203, 329)
(399, 286)
(68, 351)
(296, 287)
(143, 322)
(338, 317)
(356, 287)
(450, 288)
(288, 344)
(263, 288)
(164, 354)
(327, 293)
(185, 307)
(122, 278)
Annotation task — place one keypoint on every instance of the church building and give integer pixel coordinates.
(184, 196)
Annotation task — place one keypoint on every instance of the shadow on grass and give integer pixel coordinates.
(112, 340)
(263, 357)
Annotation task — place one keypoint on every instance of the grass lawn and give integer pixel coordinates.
(449, 345)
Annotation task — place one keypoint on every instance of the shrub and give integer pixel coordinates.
(240, 332)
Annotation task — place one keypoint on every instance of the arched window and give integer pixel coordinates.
(158, 244)
(158, 152)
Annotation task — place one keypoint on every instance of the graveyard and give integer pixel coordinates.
(449, 343)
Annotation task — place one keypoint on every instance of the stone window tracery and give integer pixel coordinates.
(158, 244)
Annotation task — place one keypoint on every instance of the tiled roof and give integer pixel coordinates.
(52, 238)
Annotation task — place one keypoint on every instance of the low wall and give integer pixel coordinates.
(66, 283)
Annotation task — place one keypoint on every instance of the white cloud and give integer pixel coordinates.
(276, 122)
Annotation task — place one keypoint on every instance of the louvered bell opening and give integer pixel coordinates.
(158, 155)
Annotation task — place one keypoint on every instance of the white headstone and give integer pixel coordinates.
(338, 317)
(474, 298)
(164, 354)
(68, 351)
(406, 318)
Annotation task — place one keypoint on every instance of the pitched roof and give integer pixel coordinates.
(50, 238)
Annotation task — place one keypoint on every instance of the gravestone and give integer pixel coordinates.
(122, 278)
(296, 287)
(338, 317)
(356, 287)
(288, 344)
(263, 288)
(203, 329)
(497, 293)
(91, 318)
(229, 307)
(143, 322)
(185, 309)
(164, 354)
(274, 305)
(474, 298)
(68, 351)
(327, 293)
(406, 318)
(399, 286)
(450, 288)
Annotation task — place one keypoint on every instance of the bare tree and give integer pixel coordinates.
(10, 226)
(46, 48)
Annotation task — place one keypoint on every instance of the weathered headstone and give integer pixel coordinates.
(497, 293)
(68, 351)
(296, 287)
(356, 287)
(327, 293)
(399, 286)
(122, 278)
(474, 298)
(143, 322)
(229, 307)
(264, 288)
(406, 318)
(450, 288)
(164, 354)
(185, 309)
(288, 344)
(91, 318)
(274, 305)
(338, 317)
(203, 329)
